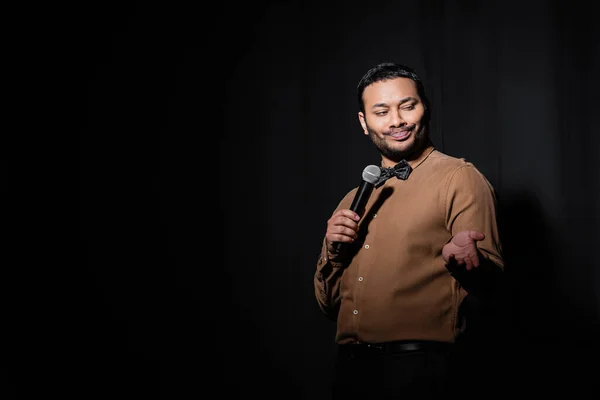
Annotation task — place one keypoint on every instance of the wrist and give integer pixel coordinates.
(330, 248)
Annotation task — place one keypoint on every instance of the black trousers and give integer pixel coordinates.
(399, 370)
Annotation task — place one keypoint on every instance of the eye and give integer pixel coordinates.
(380, 113)
(410, 107)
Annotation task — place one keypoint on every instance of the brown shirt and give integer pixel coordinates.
(397, 286)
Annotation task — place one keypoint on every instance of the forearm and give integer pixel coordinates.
(471, 207)
(327, 280)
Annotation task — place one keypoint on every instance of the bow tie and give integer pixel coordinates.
(400, 171)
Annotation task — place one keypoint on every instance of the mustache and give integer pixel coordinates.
(401, 129)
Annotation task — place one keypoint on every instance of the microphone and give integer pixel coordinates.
(370, 175)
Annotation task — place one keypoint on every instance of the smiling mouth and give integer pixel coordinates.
(400, 134)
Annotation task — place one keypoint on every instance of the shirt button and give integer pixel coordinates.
(360, 278)
(374, 215)
(355, 312)
(366, 246)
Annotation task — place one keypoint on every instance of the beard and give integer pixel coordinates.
(413, 151)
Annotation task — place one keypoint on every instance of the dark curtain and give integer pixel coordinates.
(196, 262)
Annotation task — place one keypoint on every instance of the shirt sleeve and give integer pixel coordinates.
(329, 271)
(471, 205)
(327, 281)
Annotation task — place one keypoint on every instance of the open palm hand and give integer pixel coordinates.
(462, 249)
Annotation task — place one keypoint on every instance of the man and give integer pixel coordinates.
(397, 277)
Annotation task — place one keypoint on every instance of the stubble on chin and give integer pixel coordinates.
(412, 151)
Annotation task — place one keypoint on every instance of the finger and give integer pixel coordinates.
(346, 231)
(475, 235)
(345, 215)
(451, 263)
(338, 224)
(342, 238)
(468, 263)
(474, 259)
(457, 261)
(451, 259)
(339, 237)
(335, 241)
(348, 214)
(340, 233)
(341, 228)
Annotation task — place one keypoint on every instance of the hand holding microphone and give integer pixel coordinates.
(342, 227)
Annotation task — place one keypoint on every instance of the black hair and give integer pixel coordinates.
(390, 70)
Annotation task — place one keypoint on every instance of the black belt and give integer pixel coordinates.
(362, 348)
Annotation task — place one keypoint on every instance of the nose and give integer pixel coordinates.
(397, 119)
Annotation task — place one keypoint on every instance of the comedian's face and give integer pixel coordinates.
(393, 119)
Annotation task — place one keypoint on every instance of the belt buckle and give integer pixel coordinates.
(377, 347)
(410, 346)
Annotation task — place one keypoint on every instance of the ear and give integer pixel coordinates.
(363, 123)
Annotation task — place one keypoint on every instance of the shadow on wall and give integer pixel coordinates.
(546, 343)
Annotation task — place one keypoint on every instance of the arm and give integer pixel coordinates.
(474, 254)
(327, 280)
(342, 227)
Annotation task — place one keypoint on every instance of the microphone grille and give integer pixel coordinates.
(371, 173)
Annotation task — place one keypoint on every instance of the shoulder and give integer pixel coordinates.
(444, 161)
(450, 164)
(457, 170)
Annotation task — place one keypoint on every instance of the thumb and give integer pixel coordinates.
(476, 235)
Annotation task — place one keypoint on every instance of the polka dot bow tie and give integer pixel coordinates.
(400, 171)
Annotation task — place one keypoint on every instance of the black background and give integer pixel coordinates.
(214, 142)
